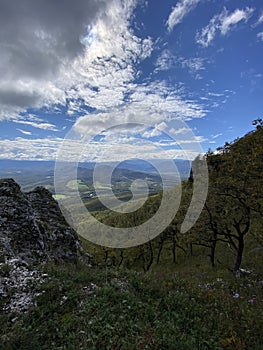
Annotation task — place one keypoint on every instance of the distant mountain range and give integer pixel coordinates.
(164, 165)
(41, 173)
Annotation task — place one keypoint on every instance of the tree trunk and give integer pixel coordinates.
(121, 258)
(159, 252)
(147, 268)
(191, 249)
(174, 250)
(212, 254)
(239, 255)
(106, 254)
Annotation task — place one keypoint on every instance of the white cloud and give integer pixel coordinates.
(234, 18)
(151, 104)
(215, 94)
(28, 149)
(165, 61)
(182, 8)
(46, 149)
(146, 151)
(215, 99)
(193, 64)
(259, 21)
(148, 115)
(251, 73)
(207, 34)
(216, 136)
(43, 126)
(156, 131)
(37, 40)
(197, 139)
(17, 96)
(110, 59)
(222, 23)
(98, 74)
(179, 131)
(25, 132)
(103, 77)
(260, 36)
(168, 61)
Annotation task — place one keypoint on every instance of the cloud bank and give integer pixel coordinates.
(84, 59)
(36, 39)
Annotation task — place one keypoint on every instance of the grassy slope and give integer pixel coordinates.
(182, 307)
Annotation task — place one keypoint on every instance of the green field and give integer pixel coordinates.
(77, 185)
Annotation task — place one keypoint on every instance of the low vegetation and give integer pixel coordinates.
(105, 308)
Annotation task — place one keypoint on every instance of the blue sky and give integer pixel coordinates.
(128, 78)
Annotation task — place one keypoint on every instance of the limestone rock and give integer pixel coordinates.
(32, 231)
(32, 226)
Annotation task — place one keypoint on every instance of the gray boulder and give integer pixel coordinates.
(32, 226)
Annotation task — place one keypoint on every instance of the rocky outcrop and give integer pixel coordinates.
(32, 226)
(32, 231)
(19, 284)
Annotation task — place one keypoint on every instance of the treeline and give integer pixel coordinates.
(232, 212)
(233, 208)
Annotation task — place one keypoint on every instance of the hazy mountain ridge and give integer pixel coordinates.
(30, 174)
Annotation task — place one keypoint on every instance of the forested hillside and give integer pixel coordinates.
(229, 229)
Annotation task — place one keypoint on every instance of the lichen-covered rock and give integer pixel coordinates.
(18, 285)
(32, 226)
(32, 231)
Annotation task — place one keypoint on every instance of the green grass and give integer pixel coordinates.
(77, 185)
(91, 308)
(59, 196)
